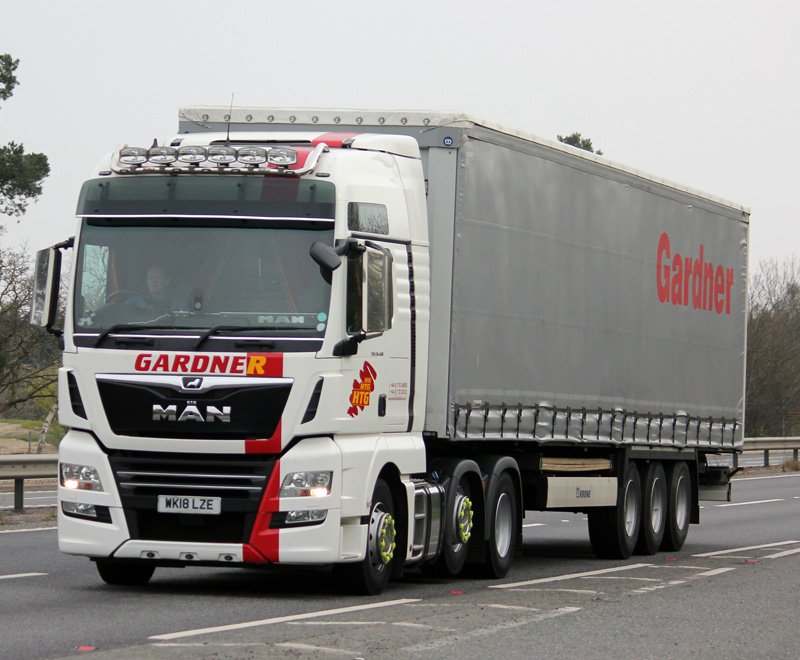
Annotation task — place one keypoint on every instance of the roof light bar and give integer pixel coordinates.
(172, 160)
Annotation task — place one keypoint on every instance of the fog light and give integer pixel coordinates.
(79, 509)
(315, 515)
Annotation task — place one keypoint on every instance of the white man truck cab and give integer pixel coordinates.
(350, 362)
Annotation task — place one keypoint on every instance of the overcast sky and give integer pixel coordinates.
(702, 93)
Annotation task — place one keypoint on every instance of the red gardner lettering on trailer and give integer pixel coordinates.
(685, 281)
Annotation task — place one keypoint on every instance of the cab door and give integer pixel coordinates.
(377, 356)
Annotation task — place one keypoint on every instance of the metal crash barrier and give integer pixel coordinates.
(27, 466)
(770, 444)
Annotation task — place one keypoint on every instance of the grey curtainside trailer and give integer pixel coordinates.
(573, 300)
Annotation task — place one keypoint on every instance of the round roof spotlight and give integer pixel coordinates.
(162, 155)
(133, 155)
(221, 155)
(282, 157)
(192, 154)
(252, 155)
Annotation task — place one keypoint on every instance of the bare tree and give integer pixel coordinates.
(28, 355)
(773, 350)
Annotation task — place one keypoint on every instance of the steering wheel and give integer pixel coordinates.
(121, 295)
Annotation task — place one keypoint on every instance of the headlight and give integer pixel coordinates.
(307, 484)
(79, 477)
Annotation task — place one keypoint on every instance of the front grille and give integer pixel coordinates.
(238, 480)
(254, 411)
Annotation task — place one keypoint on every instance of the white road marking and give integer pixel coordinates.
(21, 575)
(625, 577)
(423, 626)
(30, 506)
(715, 571)
(774, 476)
(284, 619)
(569, 576)
(489, 630)
(785, 553)
(204, 644)
(656, 587)
(748, 503)
(587, 592)
(337, 623)
(535, 525)
(310, 647)
(32, 529)
(749, 547)
(514, 607)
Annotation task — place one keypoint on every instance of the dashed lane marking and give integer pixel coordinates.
(488, 630)
(721, 506)
(514, 607)
(283, 619)
(785, 553)
(585, 592)
(297, 646)
(21, 575)
(569, 576)
(337, 623)
(774, 476)
(746, 548)
(715, 571)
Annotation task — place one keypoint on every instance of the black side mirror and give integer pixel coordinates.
(325, 256)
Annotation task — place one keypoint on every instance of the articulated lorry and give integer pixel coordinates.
(374, 340)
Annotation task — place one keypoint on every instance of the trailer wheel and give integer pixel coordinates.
(458, 531)
(502, 521)
(371, 575)
(679, 503)
(115, 571)
(654, 510)
(613, 531)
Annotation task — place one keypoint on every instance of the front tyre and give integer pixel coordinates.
(118, 572)
(371, 575)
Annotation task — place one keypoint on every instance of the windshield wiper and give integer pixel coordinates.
(226, 328)
(130, 327)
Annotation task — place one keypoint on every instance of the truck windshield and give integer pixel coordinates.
(202, 273)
